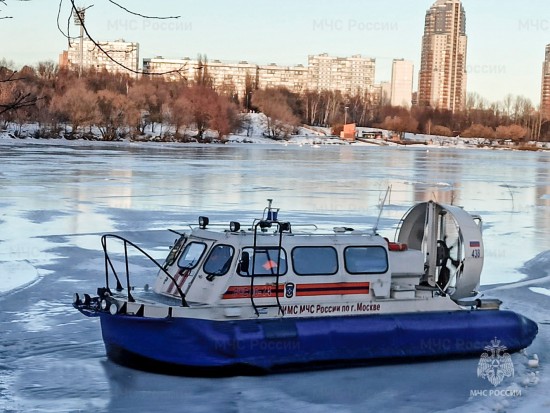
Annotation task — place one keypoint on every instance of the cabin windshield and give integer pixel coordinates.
(191, 255)
(266, 262)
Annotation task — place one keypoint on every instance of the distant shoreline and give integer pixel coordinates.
(410, 140)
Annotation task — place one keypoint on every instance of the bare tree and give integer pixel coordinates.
(202, 75)
(77, 105)
(440, 130)
(225, 118)
(280, 119)
(12, 96)
(149, 96)
(201, 99)
(513, 132)
(250, 85)
(400, 124)
(507, 104)
(179, 112)
(479, 131)
(111, 114)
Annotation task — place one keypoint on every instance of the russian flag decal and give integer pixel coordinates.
(475, 244)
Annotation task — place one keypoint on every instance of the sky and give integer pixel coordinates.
(506, 38)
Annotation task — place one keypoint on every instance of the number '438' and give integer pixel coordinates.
(476, 253)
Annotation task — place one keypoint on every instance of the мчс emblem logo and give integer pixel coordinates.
(289, 290)
(495, 364)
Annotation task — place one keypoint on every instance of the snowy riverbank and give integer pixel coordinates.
(255, 132)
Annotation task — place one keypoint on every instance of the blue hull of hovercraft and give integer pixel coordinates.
(194, 346)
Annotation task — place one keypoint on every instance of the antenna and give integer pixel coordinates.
(375, 229)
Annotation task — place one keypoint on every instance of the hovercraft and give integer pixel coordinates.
(270, 296)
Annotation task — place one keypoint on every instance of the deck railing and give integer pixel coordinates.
(110, 268)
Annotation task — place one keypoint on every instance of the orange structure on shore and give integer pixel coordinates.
(349, 132)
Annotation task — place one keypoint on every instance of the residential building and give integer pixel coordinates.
(232, 78)
(442, 78)
(545, 89)
(350, 75)
(379, 95)
(294, 78)
(113, 56)
(385, 93)
(402, 83)
(414, 101)
(228, 78)
(170, 69)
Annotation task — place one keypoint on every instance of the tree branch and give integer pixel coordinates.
(142, 15)
(65, 34)
(11, 78)
(20, 102)
(5, 3)
(75, 10)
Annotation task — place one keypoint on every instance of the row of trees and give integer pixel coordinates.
(115, 104)
(118, 104)
(488, 123)
(513, 118)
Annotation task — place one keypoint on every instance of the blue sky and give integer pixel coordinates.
(506, 38)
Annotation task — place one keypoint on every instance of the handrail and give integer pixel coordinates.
(279, 272)
(108, 263)
(254, 270)
(266, 224)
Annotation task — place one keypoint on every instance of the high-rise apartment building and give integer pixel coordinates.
(545, 89)
(91, 56)
(402, 83)
(232, 78)
(384, 88)
(442, 78)
(294, 78)
(171, 69)
(349, 75)
(228, 78)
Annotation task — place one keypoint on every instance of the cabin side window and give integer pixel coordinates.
(266, 261)
(191, 255)
(366, 260)
(219, 260)
(315, 260)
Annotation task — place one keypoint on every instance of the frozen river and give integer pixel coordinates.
(59, 197)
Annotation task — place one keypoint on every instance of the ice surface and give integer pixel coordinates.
(15, 275)
(59, 197)
(540, 290)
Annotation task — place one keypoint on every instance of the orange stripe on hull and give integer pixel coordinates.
(333, 289)
(244, 292)
(302, 290)
(331, 292)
